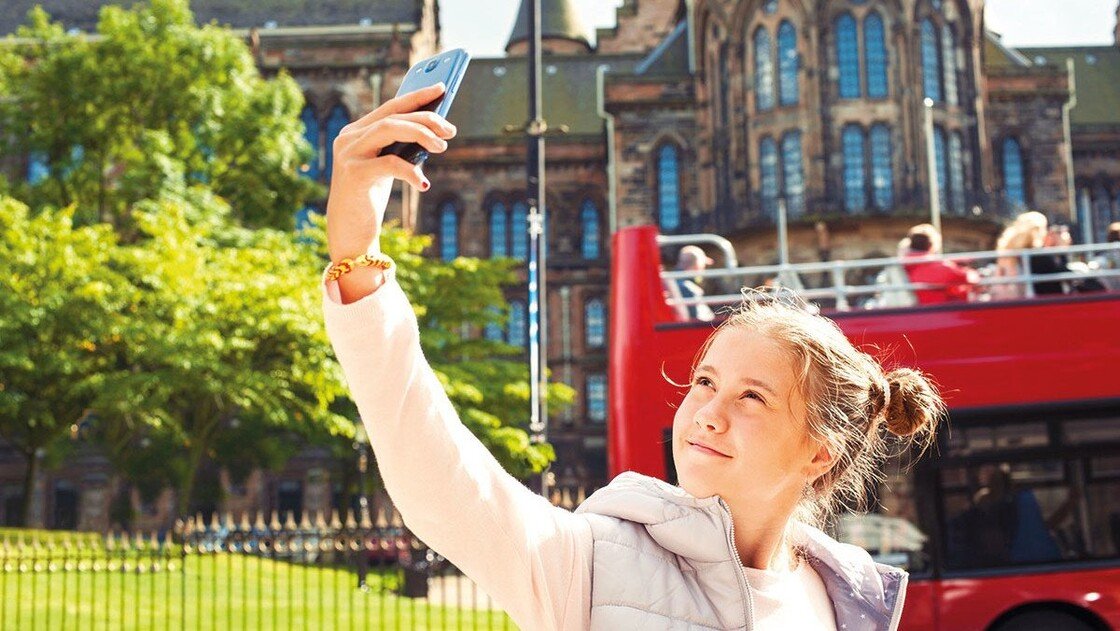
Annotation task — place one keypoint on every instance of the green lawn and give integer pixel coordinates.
(216, 591)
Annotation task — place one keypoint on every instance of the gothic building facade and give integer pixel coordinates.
(696, 116)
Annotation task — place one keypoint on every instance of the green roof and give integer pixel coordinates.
(495, 93)
(669, 59)
(560, 19)
(1096, 80)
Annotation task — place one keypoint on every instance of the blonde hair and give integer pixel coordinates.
(1025, 232)
(862, 413)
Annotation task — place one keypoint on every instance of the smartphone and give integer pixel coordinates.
(448, 67)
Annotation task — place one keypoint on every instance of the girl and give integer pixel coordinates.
(784, 421)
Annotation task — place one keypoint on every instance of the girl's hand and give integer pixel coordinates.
(362, 180)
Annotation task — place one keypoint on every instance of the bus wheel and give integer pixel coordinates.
(1048, 619)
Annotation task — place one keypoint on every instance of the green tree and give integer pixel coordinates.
(181, 163)
(153, 104)
(226, 358)
(60, 317)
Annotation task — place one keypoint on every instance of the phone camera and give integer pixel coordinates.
(431, 66)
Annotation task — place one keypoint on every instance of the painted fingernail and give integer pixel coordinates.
(425, 185)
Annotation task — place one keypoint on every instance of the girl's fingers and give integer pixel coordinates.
(402, 104)
(368, 143)
(401, 169)
(438, 124)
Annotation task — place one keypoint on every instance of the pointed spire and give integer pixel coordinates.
(560, 20)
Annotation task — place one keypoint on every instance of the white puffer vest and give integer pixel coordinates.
(663, 559)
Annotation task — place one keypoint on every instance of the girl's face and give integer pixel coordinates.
(740, 432)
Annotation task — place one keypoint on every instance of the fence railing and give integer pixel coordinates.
(249, 573)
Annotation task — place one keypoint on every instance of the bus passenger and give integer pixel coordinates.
(1110, 261)
(783, 423)
(1027, 231)
(693, 259)
(954, 283)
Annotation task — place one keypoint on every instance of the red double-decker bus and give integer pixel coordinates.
(1013, 522)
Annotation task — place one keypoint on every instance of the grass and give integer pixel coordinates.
(215, 591)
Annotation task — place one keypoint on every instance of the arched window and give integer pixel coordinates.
(949, 63)
(942, 165)
(38, 167)
(789, 92)
(855, 179)
(1014, 184)
(448, 232)
(311, 134)
(597, 397)
(956, 173)
(589, 226)
(847, 56)
(499, 230)
(882, 169)
(875, 55)
(519, 231)
(763, 70)
(517, 324)
(931, 63)
(668, 188)
(768, 175)
(338, 119)
(793, 180)
(595, 323)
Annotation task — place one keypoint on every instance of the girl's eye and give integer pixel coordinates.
(702, 381)
(751, 394)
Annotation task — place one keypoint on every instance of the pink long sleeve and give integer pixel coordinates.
(534, 559)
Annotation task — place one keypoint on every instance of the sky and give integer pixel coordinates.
(1021, 22)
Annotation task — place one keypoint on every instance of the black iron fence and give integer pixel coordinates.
(237, 574)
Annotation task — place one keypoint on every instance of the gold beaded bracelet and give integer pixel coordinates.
(345, 266)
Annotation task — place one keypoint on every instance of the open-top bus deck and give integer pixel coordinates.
(1033, 388)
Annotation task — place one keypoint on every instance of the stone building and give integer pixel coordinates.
(702, 116)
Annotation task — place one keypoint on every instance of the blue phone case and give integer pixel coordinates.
(448, 67)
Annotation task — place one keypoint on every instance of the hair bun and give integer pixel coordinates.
(915, 406)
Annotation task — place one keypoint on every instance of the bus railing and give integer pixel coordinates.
(841, 293)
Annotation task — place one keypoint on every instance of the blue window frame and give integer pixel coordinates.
(956, 173)
(311, 134)
(595, 323)
(855, 173)
(1014, 182)
(597, 398)
(931, 63)
(518, 325)
(763, 70)
(768, 175)
(499, 230)
(338, 119)
(519, 231)
(793, 178)
(847, 56)
(939, 145)
(789, 92)
(589, 225)
(668, 188)
(882, 167)
(38, 167)
(448, 232)
(949, 64)
(875, 55)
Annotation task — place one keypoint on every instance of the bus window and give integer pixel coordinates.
(1006, 514)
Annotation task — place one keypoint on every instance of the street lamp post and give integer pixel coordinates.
(538, 244)
(931, 162)
(361, 445)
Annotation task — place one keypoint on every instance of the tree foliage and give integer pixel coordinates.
(152, 291)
